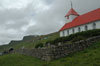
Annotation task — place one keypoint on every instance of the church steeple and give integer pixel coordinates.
(71, 5)
(72, 14)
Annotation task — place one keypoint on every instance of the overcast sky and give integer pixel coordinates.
(31, 17)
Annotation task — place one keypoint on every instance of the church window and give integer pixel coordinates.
(68, 32)
(86, 27)
(73, 30)
(63, 33)
(94, 25)
(79, 29)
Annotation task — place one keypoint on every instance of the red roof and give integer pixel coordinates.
(72, 12)
(83, 19)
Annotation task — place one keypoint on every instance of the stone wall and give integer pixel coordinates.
(58, 51)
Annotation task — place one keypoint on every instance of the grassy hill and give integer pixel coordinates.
(30, 41)
(88, 57)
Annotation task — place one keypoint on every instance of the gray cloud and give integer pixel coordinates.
(25, 17)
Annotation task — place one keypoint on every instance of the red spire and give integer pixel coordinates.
(72, 12)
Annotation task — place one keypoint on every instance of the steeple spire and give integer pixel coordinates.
(72, 14)
(71, 5)
(72, 11)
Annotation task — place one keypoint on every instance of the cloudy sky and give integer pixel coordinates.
(31, 17)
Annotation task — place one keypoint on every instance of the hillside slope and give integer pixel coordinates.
(29, 41)
(88, 57)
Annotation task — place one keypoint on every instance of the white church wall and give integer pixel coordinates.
(70, 31)
(65, 31)
(97, 24)
(82, 28)
(76, 29)
(90, 26)
(61, 33)
(71, 17)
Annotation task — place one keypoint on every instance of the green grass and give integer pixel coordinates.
(29, 42)
(19, 60)
(88, 57)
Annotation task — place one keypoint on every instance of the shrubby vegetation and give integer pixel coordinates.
(76, 37)
(39, 45)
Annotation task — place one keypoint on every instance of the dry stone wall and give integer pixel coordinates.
(58, 51)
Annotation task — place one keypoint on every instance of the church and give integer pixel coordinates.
(77, 23)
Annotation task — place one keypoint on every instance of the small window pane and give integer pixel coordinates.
(94, 25)
(63, 33)
(79, 29)
(86, 27)
(73, 30)
(68, 32)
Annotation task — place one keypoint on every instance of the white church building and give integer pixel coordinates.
(78, 23)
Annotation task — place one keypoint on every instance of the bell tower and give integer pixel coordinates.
(72, 14)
